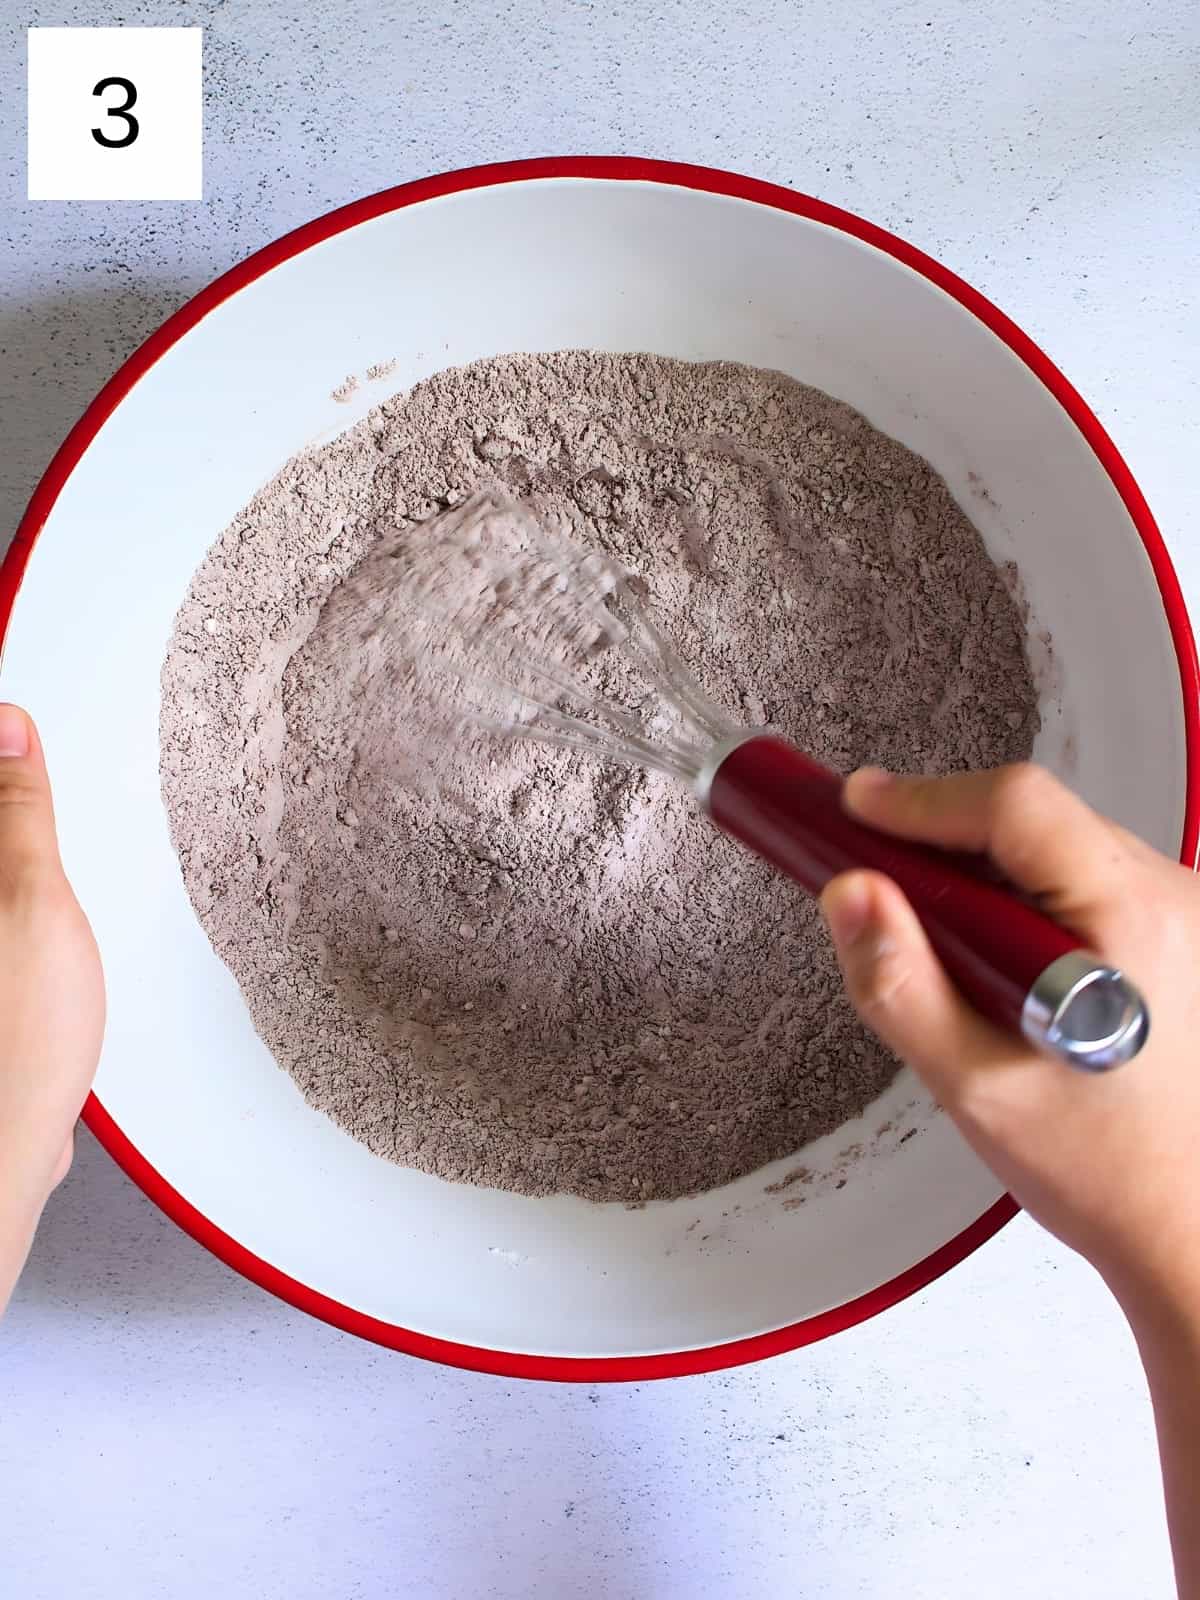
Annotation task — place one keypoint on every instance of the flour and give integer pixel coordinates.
(511, 965)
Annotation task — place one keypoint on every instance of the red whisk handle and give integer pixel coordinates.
(1016, 966)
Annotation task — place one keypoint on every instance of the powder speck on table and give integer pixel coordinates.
(537, 971)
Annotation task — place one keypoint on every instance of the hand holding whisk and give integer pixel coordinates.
(530, 635)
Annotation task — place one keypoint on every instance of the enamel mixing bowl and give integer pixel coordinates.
(617, 255)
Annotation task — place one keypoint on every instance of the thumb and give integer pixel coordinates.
(898, 986)
(28, 845)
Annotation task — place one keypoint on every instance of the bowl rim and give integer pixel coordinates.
(620, 169)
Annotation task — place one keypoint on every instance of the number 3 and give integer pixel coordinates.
(122, 111)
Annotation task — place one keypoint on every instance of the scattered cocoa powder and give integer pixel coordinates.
(796, 1175)
(522, 967)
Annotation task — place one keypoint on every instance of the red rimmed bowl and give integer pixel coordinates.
(615, 254)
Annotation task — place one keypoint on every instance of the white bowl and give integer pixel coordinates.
(618, 255)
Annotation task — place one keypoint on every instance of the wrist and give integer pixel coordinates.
(27, 1175)
(1163, 1313)
(20, 1208)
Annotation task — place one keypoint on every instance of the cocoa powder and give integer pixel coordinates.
(512, 965)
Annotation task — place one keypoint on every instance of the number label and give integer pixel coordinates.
(122, 112)
(115, 113)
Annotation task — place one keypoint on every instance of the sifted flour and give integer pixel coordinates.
(520, 967)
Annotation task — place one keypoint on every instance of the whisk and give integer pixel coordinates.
(531, 635)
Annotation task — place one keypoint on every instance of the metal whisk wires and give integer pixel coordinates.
(527, 614)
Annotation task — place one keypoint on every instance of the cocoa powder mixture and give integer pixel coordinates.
(517, 966)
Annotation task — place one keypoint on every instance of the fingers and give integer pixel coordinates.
(898, 986)
(1041, 836)
(28, 845)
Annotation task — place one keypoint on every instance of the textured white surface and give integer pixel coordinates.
(168, 1430)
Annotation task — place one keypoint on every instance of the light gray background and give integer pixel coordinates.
(168, 1430)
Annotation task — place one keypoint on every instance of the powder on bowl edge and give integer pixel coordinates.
(530, 969)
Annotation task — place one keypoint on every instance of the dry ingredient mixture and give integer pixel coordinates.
(525, 968)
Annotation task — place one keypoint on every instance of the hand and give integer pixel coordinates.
(51, 996)
(1107, 1162)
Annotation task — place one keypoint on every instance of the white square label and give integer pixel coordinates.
(115, 114)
